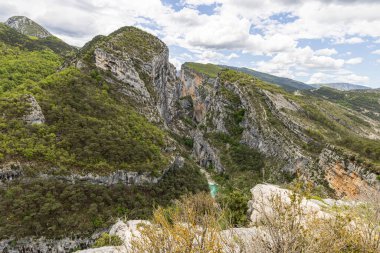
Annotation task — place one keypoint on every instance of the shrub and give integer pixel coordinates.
(107, 240)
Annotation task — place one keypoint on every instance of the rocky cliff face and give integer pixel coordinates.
(348, 178)
(218, 98)
(199, 87)
(144, 71)
(268, 123)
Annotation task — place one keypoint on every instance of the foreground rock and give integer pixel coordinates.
(236, 239)
(266, 197)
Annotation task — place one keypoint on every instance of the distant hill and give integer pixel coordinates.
(27, 27)
(286, 83)
(341, 86)
(26, 34)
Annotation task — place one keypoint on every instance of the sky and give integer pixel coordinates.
(313, 41)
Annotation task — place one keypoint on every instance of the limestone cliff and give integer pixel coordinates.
(273, 123)
(140, 63)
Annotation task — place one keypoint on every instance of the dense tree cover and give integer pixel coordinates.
(18, 66)
(86, 128)
(55, 209)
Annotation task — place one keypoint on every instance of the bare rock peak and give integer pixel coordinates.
(27, 27)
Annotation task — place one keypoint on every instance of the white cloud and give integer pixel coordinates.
(302, 74)
(342, 76)
(199, 2)
(232, 56)
(177, 63)
(376, 52)
(285, 63)
(326, 51)
(354, 61)
(353, 40)
(214, 57)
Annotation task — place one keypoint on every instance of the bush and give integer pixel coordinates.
(191, 225)
(107, 240)
(236, 207)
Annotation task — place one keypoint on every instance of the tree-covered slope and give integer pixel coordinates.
(18, 66)
(86, 128)
(14, 38)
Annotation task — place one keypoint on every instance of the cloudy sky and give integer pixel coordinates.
(312, 41)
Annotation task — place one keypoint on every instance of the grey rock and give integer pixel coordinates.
(35, 114)
(205, 154)
(27, 26)
(122, 68)
(43, 245)
(10, 171)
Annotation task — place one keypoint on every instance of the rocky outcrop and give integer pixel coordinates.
(34, 114)
(122, 69)
(121, 176)
(10, 171)
(199, 87)
(205, 154)
(166, 85)
(346, 177)
(277, 103)
(43, 245)
(267, 198)
(118, 177)
(149, 79)
(127, 231)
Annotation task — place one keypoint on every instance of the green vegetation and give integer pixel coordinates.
(126, 40)
(207, 69)
(135, 42)
(13, 38)
(56, 209)
(107, 240)
(86, 128)
(366, 102)
(18, 66)
(286, 83)
(235, 204)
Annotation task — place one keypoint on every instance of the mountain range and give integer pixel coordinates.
(110, 130)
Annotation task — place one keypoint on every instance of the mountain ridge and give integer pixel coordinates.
(27, 27)
(342, 86)
(286, 83)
